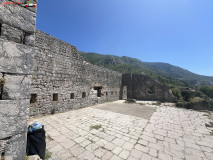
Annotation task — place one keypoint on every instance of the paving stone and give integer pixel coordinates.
(110, 146)
(128, 146)
(109, 138)
(146, 157)
(55, 149)
(136, 153)
(77, 151)
(191, 157)
(176, 147)
(209, 155)
(118, 142)
(91, 147)
(153, 152)
(100, 152)
(117, 150)
(85, 143)
(141, 148)
(114, 157)
(79, 139)
(143, 142)
(164, 156)
(124, 154)
(107, 155)
(131, 158)
(149, 139)
(194, 152)
(67, 144)
(86, 155)
(193, 146)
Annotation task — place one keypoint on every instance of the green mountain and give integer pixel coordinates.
(163, 72)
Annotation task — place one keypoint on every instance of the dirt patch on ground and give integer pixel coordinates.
(132, 109)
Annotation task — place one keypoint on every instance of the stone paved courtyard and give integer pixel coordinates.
(91, 134)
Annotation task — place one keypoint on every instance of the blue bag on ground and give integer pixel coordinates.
(36, 144)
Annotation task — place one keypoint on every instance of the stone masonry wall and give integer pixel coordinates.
(62, 80)
(142, 87)
(17, 28)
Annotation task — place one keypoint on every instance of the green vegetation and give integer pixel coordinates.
(129, 100)
(158, 103)
(48, 155)
(97, 127)
(162, 72)
(176, 92)
(53, 111)
(208, 91)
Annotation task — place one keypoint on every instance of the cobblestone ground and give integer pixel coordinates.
(90, 134)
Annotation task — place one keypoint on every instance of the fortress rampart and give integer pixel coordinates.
(63, 81)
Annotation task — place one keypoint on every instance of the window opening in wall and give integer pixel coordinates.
(83, 94)
(112, 93)
(2, 155)
(106, 93)
(33, 98)
(72, 96)
(55, 96)
(98, 88)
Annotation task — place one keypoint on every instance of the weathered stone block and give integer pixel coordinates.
(29, 39)
(13, 117)
(15, 58)
(18, 16)
(11, 33)
(16, 147)
(17, 87)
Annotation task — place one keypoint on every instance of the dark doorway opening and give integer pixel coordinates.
(33, 98)
(72, 96)
(83, 94)
(98, 88)
(55, 96)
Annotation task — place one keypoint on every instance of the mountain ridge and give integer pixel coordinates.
(163, 72)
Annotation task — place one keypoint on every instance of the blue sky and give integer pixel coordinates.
(179, 32)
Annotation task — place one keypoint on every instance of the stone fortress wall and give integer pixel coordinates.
(17, 27)
(63, 81)
(142, 87)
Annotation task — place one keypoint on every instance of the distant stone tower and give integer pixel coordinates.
(17, 29)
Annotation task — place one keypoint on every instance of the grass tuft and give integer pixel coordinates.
(97, 127)
(48, 155)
